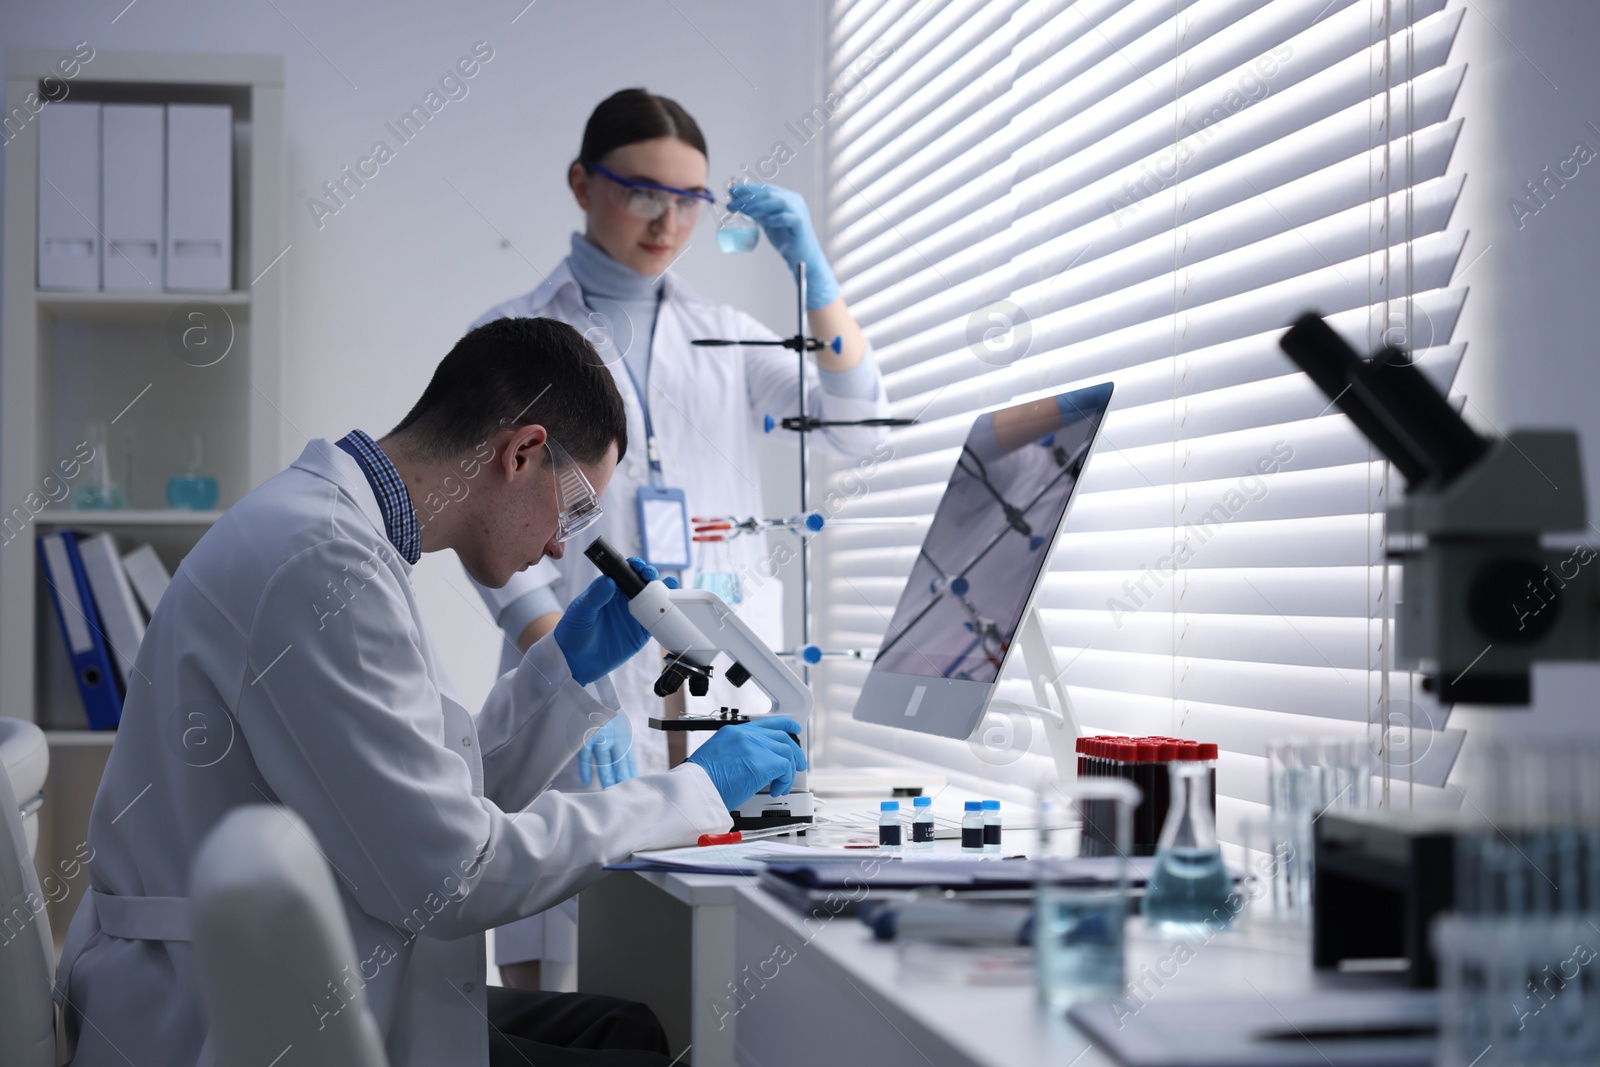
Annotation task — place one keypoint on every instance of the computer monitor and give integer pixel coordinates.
(978, 571)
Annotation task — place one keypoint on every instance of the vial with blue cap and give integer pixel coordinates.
(922, 823)
(972, 826)
(889, 826)
(991, 826)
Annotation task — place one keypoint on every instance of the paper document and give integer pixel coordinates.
(747, 857)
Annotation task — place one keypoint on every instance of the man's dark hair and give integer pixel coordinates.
(516, 372)
(635, 115)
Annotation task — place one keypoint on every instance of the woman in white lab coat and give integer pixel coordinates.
(641, 181)
(288, 663)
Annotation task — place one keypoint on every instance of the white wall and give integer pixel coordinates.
(1533, 318)
(471, 211)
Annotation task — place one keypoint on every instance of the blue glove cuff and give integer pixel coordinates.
(822, 288)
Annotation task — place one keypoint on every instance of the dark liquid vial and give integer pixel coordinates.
(991, 834)
(921, 831)
(888, 835)
(972, 837)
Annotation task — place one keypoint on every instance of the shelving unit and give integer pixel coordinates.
(71, 358)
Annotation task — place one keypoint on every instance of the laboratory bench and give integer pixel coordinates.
(739, 977)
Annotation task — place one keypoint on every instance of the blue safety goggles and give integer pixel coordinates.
(650, 200)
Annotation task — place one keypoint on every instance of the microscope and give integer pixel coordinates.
(695, 626)
(1482, 598)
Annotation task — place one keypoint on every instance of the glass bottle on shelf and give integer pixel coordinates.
(100, 492)
(191, 489)
(714, 568)
(1188, 883)
(737, 232)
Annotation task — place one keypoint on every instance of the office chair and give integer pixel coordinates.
(269, 933)
(27, 951)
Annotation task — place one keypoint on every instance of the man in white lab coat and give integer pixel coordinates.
(288, 663)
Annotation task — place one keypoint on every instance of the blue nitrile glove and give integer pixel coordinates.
(787, 222)
(609, 752)
(743, 760)
(596, 632)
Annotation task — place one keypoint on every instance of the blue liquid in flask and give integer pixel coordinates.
(738, 239)
(1188, 885)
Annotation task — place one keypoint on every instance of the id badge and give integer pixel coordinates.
(664, 527)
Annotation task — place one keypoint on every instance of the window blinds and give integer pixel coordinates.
(1040, 195)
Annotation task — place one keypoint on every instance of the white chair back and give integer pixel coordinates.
(27, 951)
(26, 759)
(270, 935)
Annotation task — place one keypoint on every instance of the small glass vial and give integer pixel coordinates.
(889, 826)
(972, 827)
(991, 826)
(922, 823)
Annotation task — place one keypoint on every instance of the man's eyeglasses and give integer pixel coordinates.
(649, 200)
(578, 505)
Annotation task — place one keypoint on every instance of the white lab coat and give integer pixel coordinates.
(707, 406)
(288, 663)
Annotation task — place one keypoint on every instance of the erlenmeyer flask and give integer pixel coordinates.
(1189, 883)
(737, 232)
(714, 569)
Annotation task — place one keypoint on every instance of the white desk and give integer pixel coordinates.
(666, 940)
(838, 996)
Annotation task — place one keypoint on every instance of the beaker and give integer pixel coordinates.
(1188, 883)
(192, 489)
(714, 568)
(737, 232)
(100, 493)
(1078, 920)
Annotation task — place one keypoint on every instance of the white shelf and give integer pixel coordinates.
(81, 738)
(128, 517)
(132, 306)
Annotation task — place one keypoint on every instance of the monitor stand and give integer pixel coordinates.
(1060, 726)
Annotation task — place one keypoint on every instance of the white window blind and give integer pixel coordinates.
(1041, 195)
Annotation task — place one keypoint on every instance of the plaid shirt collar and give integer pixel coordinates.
(399, 517)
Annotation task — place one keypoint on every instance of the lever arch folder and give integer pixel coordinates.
(69, 196)
(80, 628)
(132, 196)
(199, 197)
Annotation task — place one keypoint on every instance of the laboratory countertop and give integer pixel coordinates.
(949, 1020)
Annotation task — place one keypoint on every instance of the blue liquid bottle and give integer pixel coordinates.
(1189, 883)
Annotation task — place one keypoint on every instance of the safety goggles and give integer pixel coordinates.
(649, 201)
(577, 504)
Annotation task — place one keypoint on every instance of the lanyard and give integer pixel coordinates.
(651, 446)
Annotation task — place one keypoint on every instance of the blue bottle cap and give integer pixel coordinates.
(921, 802)
(837, 344)
(889, 805)
(974, 805)
(811, 654)
(815, 521)
(768, 423)
(959, 586)
(991, 805)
